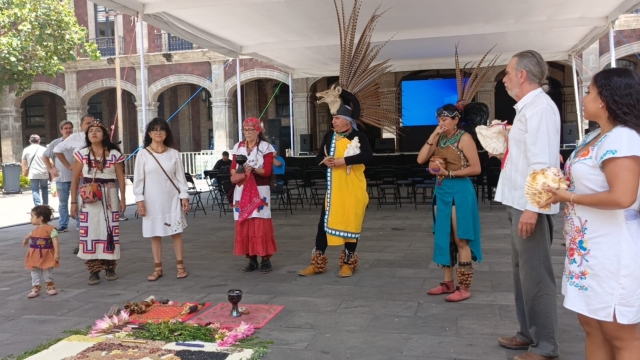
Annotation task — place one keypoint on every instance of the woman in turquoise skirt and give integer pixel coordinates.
(453, 158)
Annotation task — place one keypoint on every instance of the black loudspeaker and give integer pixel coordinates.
(385, 145)
(569, 133)
(305, 143)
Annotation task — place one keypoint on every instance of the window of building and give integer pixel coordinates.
(105, 25)
(95, 106)
(34, 110)
(282, 100)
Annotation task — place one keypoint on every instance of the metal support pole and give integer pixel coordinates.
(577, 95)
(143, 89)
(612, 47)
(291, 132)
(239, 99)
(118, 123)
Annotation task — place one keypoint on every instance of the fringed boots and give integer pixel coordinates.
(109, 267)
(94, 267)
(465, 278)
(318, 264)
(348, 263)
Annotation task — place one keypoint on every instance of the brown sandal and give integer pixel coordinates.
(157, 273)
(182, 272)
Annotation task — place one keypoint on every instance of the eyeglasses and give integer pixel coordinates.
(249, 130)
(158, 131)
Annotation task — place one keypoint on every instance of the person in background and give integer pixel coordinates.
(222, 163)
(278, 162)
(61, 174)
(34, 168)
(44, 251)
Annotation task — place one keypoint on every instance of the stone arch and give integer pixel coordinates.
(622, 51)
(37, 87)
(86, 92)
(163, 84)
(254, 74)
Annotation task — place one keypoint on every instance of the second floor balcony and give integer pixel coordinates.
(107, 45)
(166, 42)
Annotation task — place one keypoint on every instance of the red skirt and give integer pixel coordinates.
(255, 236)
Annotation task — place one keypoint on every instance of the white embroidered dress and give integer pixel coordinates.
(602, 266)
(162, 200)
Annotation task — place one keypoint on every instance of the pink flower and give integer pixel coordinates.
(241, 332)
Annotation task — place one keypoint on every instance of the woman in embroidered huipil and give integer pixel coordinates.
(252, 198)
(160, 188)
(601, 280)
(98, 163)
(44, 251)
(456, 217)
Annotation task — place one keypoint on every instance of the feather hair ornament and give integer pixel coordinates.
(468, 87)
(359, 79)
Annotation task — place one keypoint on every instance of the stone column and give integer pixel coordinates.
(74, 114)
(250, 102)
(225, 131)
(271, 111)
(184, 119)
(11, 134)
(487, 95)
(72, 105)
(224, 128)
(143, 103)
(301, 111)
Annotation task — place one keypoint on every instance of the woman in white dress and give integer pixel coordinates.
(602, 230)
(99, 165)
(161, 194)
(252, 198)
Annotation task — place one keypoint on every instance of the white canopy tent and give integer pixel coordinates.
(301, 36)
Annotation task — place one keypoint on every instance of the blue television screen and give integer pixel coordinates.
(421, 99)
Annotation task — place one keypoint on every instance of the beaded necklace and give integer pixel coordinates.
(453, 139)
(344, 134)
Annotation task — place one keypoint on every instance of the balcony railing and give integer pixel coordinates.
(169, 43)
(107, 45)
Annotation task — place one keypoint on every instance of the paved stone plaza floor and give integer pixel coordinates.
(382, 312)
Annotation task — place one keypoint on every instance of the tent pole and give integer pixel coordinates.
(119, 120)
(291, 132)
(238, 89)
(577, 95)
(143, 88)
(612, 47)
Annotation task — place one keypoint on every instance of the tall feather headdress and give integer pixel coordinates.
(472, 113)
(359, 82)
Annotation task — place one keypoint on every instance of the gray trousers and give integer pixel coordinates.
(534, 285)
(37, 274)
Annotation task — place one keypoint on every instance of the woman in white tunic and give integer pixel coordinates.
(161, 194)
(252, 198)
(98, 164)
(601, 280)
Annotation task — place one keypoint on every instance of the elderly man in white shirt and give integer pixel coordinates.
(534, 142)
(73, 142)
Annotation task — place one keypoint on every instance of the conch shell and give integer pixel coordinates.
(352, 149)
(539, 179)
(494, 137)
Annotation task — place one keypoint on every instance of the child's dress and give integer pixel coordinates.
(41, 256)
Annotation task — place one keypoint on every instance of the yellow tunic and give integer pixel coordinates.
(346, 199)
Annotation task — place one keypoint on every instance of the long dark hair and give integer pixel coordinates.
(619, 90)
(106, 144)
(158, 122)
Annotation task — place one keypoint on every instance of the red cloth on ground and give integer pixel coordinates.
(255, 236)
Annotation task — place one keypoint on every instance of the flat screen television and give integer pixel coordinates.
(421, 98)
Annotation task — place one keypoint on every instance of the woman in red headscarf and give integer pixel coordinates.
(252, 198)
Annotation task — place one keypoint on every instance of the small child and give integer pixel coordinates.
(44, 252)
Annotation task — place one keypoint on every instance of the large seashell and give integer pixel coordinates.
(493, 137)
(539, 179)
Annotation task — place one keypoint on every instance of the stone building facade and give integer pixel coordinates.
(203, 86)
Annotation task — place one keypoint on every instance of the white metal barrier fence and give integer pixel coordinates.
(194, 163)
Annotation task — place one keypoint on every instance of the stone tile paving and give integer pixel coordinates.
(382, 312)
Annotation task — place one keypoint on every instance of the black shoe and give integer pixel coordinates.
(253, 264)
(76, 250)
(94, 279)
(110, 275)
(265, 266)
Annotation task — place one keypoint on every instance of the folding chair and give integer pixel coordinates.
(193, 191)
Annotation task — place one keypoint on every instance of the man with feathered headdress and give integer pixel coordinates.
(345, 150)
